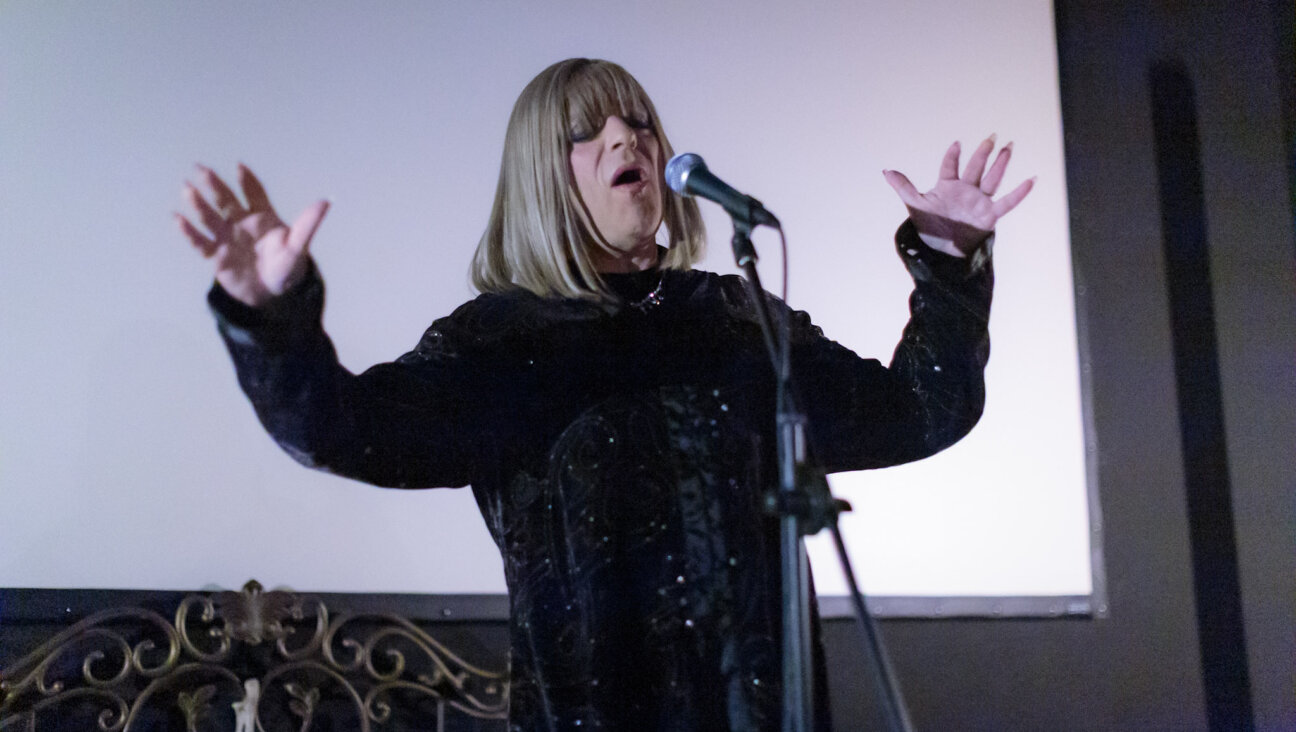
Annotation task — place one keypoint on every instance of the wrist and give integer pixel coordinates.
(929, 259)
(942, 244)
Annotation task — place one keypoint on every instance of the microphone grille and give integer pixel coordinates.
(678, 169)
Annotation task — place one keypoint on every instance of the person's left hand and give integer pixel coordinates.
(960, 209)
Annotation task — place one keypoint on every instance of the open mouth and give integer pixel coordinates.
(629, 176)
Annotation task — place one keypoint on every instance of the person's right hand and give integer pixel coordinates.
(257, 255)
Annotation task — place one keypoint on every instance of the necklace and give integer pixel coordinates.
(652, 299)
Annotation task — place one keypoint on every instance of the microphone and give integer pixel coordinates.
(687, 175)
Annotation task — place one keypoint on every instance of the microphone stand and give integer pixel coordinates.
(805, 506)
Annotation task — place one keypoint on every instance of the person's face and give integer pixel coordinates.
(616, 172)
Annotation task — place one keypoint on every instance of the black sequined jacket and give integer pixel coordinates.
(619, 455)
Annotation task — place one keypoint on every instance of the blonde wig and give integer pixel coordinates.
(540, 234)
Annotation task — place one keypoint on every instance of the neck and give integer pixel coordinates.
(640, 258)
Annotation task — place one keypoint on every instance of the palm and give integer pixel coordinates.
(264, 267)
(257, 256)
(961, 209)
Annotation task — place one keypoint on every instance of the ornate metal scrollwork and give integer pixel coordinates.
(249, 661)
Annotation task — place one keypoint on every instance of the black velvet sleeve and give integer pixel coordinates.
(406, 424)
(863, 414)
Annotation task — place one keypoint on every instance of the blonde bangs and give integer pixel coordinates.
(540, 235)
(597, 92)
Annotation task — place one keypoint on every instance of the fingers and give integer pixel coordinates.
(949, 166)
(905, 189)
(236, 230)
(209, 216)
(226, 214)
(226, 202)
(304, 228)
(196, 237)
(1010, 200)
(994, 176)
(976, 164)
(257, 199)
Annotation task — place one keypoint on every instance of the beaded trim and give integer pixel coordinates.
(652, 299)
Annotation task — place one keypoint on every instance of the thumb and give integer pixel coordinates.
(303, 229)
(906, 190)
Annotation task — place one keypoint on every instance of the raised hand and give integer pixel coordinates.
(257, 255)
(960, 209)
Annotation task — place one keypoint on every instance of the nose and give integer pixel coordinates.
(619, 133)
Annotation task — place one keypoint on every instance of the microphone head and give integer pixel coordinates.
(679, 168)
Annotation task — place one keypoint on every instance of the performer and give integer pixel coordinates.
(611, 407)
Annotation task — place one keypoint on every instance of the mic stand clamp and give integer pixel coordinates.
(812, 503)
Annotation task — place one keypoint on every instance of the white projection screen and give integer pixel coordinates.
(129, 457)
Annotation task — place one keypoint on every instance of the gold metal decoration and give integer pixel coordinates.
(249, 661)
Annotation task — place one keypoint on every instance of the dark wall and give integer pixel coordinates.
(1144, 666)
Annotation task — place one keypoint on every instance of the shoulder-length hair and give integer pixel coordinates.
(540, 234)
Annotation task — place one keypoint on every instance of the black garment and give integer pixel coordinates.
(619, 455)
